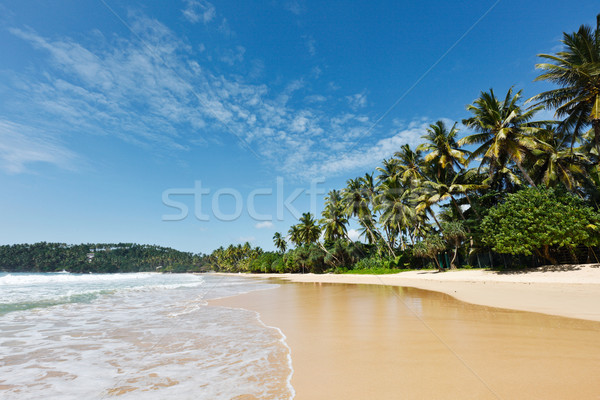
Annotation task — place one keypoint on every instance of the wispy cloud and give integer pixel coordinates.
(198, 11)
(294, 6)
(357, 101)
(264, 225)
(155, 90)
(22, 145)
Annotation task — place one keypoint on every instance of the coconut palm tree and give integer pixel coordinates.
(504, 132)
(555, 161)
(294, 235)
(279, 242)
(334, 219)
(388, 170)
(444, 152)
(357, 199)
(397, 215)
(309, 231)
(576, 69)
(409, 163)
(435, 192)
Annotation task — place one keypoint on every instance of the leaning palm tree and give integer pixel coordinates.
(279, 242)
(334, 219)
(576, 69)
(444, 152)
(504, 132)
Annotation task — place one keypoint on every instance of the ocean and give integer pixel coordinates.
(133, 336)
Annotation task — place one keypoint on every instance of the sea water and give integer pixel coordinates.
(133, 336)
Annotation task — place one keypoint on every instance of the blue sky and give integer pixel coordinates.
(109, 107)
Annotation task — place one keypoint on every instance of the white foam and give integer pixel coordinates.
(161, 342)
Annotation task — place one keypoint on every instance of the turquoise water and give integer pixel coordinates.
(133, 336)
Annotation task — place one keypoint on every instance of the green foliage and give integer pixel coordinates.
(429, 247)
(238, 258)
(536, 220)
(97, 258)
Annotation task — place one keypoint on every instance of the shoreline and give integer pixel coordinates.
(566, 291)
(357, 336)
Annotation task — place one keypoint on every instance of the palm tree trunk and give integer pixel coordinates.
(596, 126)
(435, 219)
(472, 208)
(525, 174)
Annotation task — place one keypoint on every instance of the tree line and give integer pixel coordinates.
(516, 191)
(98, 258)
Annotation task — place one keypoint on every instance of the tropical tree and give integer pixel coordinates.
(279, 242)
(444, 152)
(556, 161)
(504, 132)
(397, 214)
(410, 164)
(308, 230)
(454, 232)
(539, 220)
(334, 219)
(576, 69)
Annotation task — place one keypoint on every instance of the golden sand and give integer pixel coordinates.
(385, 342)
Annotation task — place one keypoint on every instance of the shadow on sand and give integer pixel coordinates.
(547, 268)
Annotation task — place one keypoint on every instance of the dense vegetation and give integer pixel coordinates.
(97, 258)
(516, 191)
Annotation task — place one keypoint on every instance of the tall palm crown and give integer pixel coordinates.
(409, 164)
(334, 219)
(444, 152)
(577, 70)
(504, 132)
(309, 231)
(555, 161)
(279, 242)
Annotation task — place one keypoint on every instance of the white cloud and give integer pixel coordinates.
(368, 156)
(353, 234)
(311, 45)
(198, 10)
(358, 100)
(294, 6)
(158, 93)
(231, 56)
(22, 145)
(264, 225)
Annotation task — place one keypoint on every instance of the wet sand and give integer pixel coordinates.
(568, 291)
(385, 342)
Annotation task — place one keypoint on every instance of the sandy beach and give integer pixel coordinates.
(468, 335)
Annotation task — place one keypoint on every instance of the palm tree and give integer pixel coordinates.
(410, 164)
(334, 219)
(577, 70)
(357, 198)
(444, 152)
(309, 231)
(294, 235)
(555, 161)
(397, 215)
(279, 242)
(435, 192)
(389, 170)
(503, 131)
